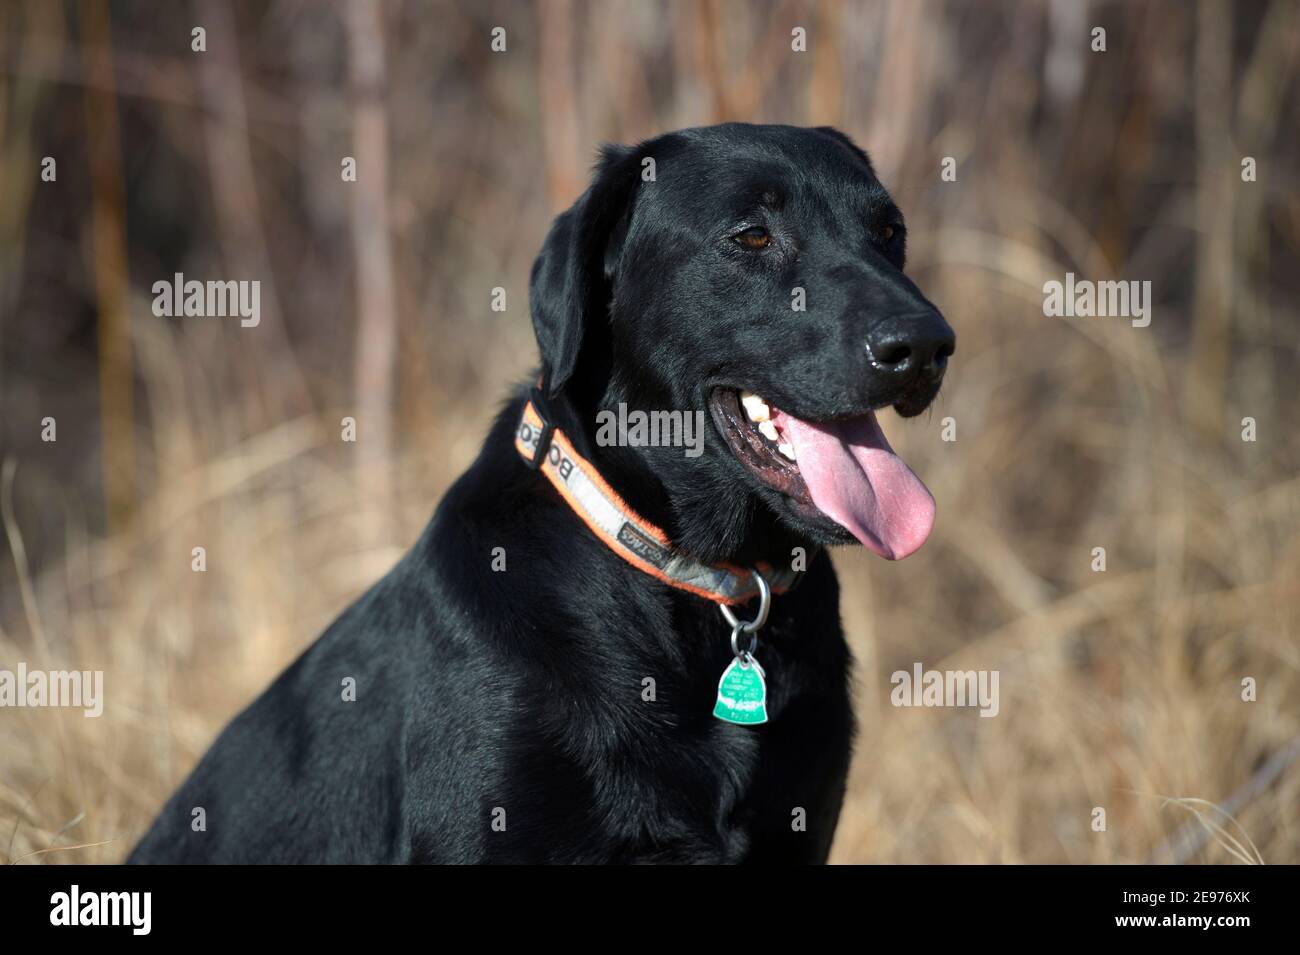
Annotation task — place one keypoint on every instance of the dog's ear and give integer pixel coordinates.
(570, 288)
(857, 150)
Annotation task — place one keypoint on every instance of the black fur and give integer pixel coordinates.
(523, 691)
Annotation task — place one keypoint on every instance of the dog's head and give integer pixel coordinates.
(755, 274)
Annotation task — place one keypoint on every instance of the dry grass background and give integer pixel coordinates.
(1119, 689)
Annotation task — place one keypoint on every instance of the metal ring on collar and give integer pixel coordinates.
(738, 653)
(765, 604)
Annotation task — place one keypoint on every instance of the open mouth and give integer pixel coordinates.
(843, 468)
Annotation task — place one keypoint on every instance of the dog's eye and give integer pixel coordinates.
(755, 238)
(886, 232)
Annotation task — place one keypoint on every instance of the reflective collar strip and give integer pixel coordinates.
(626, 533)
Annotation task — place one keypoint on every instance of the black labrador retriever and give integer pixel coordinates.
(547, 676)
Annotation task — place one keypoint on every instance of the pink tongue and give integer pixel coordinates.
(857, 480)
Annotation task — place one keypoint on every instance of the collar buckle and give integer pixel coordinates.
(545, 434)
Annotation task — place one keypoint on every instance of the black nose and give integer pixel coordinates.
(917, 344)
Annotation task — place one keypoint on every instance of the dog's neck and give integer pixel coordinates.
(704, 513)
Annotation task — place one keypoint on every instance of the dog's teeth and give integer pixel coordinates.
(755, 407)
(786, 449)
(768, 430)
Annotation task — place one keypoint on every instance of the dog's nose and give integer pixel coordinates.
(916, 344)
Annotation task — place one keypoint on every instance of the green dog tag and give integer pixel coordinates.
(742, 693)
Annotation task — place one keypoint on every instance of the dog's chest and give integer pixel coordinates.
(766, 791)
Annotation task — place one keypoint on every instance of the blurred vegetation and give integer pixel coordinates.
(1120, 689)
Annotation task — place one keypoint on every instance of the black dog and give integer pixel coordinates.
(562, 709)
